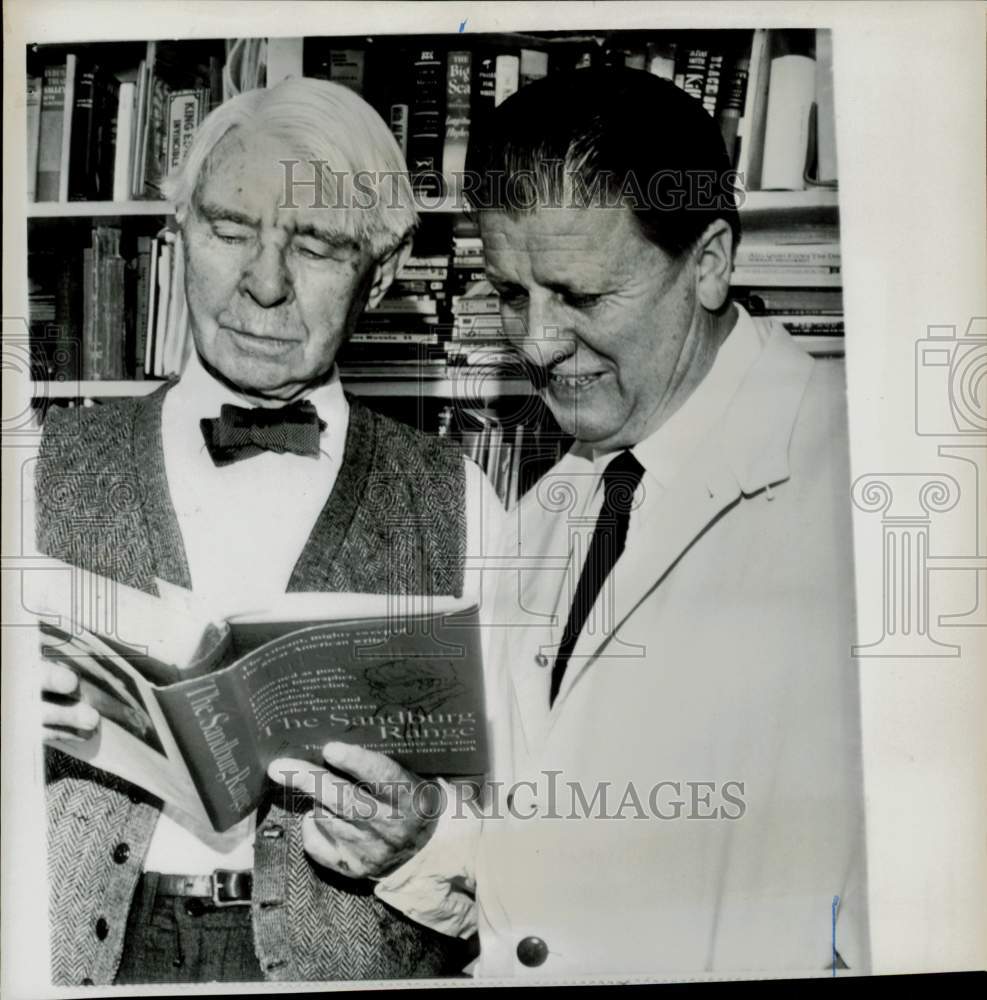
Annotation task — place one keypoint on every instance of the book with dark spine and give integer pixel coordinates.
(425, 128)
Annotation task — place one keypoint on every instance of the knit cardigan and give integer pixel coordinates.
(395, 522)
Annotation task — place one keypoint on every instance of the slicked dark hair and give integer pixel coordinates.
(608, 136)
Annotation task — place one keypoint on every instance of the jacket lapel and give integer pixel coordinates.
(746, 452)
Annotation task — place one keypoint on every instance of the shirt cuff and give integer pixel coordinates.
(436, 886)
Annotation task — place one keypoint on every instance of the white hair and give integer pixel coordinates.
(362, 170)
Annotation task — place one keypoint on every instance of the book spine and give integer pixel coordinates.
(346, 67)
(123, 141)
(105, 91)
(156, 155)
(424, 138)
(161, 317)
(113, 285)
(184, 108)
(81, 153)
(392, 337)
(50, 133)
(68, 320)
(68, 105)
(142, 268)
(694, 76)
(33, 133)
(713, 82)
(458, 86)
(826, 172)
(791, 91)
(484, 88)
(212, 731)
(144, 133)
(90, 346)
(507, 77)
(733, 97)
(152, 308)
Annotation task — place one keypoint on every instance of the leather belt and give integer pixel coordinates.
(222, 888)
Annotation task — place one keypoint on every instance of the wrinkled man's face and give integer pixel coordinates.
(613, 318)
(272, 292)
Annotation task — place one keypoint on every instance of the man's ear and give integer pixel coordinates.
(714, 265)
(386, 269)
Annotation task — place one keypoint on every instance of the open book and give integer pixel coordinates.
(194, 709)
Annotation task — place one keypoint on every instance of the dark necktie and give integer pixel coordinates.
(620, 480)
(240, 432)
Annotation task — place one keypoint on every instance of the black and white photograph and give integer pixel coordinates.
(645, 341)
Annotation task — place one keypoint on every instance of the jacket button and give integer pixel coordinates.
(541, 660)
(532, 951)
(272, 831)
(102, 928)
(120, 853)
(88, 982)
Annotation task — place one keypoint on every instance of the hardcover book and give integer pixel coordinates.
(194, 707)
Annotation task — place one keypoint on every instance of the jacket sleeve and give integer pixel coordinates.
(437, 886)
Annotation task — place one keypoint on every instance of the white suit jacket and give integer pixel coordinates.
(720, 663)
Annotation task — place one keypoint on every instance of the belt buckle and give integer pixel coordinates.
(221, 879)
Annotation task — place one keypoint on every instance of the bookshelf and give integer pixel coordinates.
(729, 71)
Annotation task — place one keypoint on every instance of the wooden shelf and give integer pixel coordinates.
(469, 387)
(95, 209)
(789, 201)
(755, 202)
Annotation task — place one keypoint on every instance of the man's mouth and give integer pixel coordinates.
(574, 381)
(260, 343)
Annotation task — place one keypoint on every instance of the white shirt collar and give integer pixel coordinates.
(665, 451)
(198, 395)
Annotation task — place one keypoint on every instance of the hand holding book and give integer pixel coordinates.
(370, 814)
(65, 715)
(193, 710)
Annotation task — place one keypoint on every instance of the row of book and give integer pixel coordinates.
(513, 453)
(120, 314)
(432, 97)
(789, 254)
(435, 94)
(98, 134)
(109, 312)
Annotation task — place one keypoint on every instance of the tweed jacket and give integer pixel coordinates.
(395, 522)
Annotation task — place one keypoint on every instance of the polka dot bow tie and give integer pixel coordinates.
(240, 432)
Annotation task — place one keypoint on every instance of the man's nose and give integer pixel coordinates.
(541, 331)
(265, 277)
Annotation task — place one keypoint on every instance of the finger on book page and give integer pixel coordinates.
(58, 679)
(76, 721)
(324, 787)
(364, 765)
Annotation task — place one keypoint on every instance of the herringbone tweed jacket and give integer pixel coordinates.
(395, 522)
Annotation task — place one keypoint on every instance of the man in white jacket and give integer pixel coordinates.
(676, 786)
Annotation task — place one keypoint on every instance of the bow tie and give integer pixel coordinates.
(242, 433)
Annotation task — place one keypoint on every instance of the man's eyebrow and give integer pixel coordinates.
(331, 237)
(220, 213)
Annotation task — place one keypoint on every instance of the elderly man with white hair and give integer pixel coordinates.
(276, 275)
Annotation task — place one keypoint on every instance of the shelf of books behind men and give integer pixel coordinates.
(107, 305)
(107, 121)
